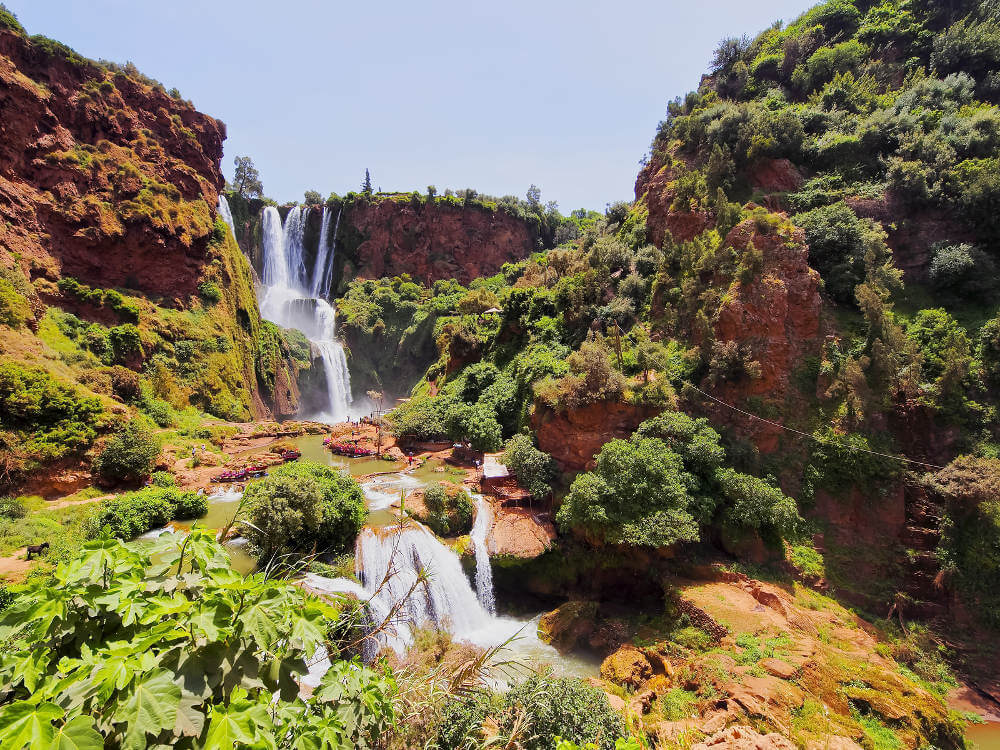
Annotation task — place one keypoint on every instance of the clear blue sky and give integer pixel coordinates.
(489, 95)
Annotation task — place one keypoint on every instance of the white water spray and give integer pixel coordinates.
(293, 300)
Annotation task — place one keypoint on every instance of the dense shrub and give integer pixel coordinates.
(125, 341)
(14, 308)
(837, 244)
(209, 291)
(303, 506)
(535, 470)
(12, 509)
(962, 270)
(637, 494)
(129, 454)
(533, 714)
(592, 377)
(449, 510)
(51, 418)
(970, 543)
(475, 423)
(133, 513)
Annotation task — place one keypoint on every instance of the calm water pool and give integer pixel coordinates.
(985, 736)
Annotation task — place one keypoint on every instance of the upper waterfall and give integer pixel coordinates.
(226, 214)
(292, 298)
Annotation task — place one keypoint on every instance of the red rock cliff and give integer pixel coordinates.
(102, 176)
(434, 241)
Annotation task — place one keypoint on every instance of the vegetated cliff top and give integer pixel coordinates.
(105, 174)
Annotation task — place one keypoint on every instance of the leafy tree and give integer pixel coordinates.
(637, 494)
(534, 196)
(728, 52)
(313, 198)
(970, 544)
(246, 178)
(837, 244)
(961, 269)
(303, 506)
(129, 454)
(475, 423)
(535, 470)
(120, 651)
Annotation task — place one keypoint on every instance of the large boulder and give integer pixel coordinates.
(566, 626)
(627, 666)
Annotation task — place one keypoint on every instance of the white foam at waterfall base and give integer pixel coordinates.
(291, 300)
(484, 570)
(382, 492)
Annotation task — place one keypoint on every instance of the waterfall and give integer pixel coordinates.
(290, 299)
(328, 271)
(319, 268)
(226, 214)
(275, 271)
(389, 562)
(484, 571)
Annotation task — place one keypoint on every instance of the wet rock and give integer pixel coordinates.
(565, 627)
(626, 666)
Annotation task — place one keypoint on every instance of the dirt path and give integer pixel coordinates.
(52, 505)
(15, 567)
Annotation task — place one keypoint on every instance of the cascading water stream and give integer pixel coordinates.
(226, 214)
(484, 571)
(292, 298)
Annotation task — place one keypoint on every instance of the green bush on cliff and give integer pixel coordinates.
(636, 495)
(665, 483)
(535, 470)
(129, 454)
(48, 418)
(14, 308)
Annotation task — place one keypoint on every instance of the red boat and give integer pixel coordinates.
(351, 451)
(255, 472)
(290, 455)
(238, 475)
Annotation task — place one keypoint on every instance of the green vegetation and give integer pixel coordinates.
(128, 515)
(43, 419)
(303, 507)
(535, 470)
(180, 653)
(449, 511)
(970, 544)
(129, 454)
(534, 714)
(665, 483)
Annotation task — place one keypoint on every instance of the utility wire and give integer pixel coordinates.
(792, 429)
(807, 435)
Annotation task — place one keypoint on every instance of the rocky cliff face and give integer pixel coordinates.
(575, 436)
(108, 194)
(103, 177)
(388, 236)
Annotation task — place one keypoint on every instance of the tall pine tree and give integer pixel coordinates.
(366, 186)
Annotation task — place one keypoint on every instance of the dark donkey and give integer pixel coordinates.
(37, 549)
